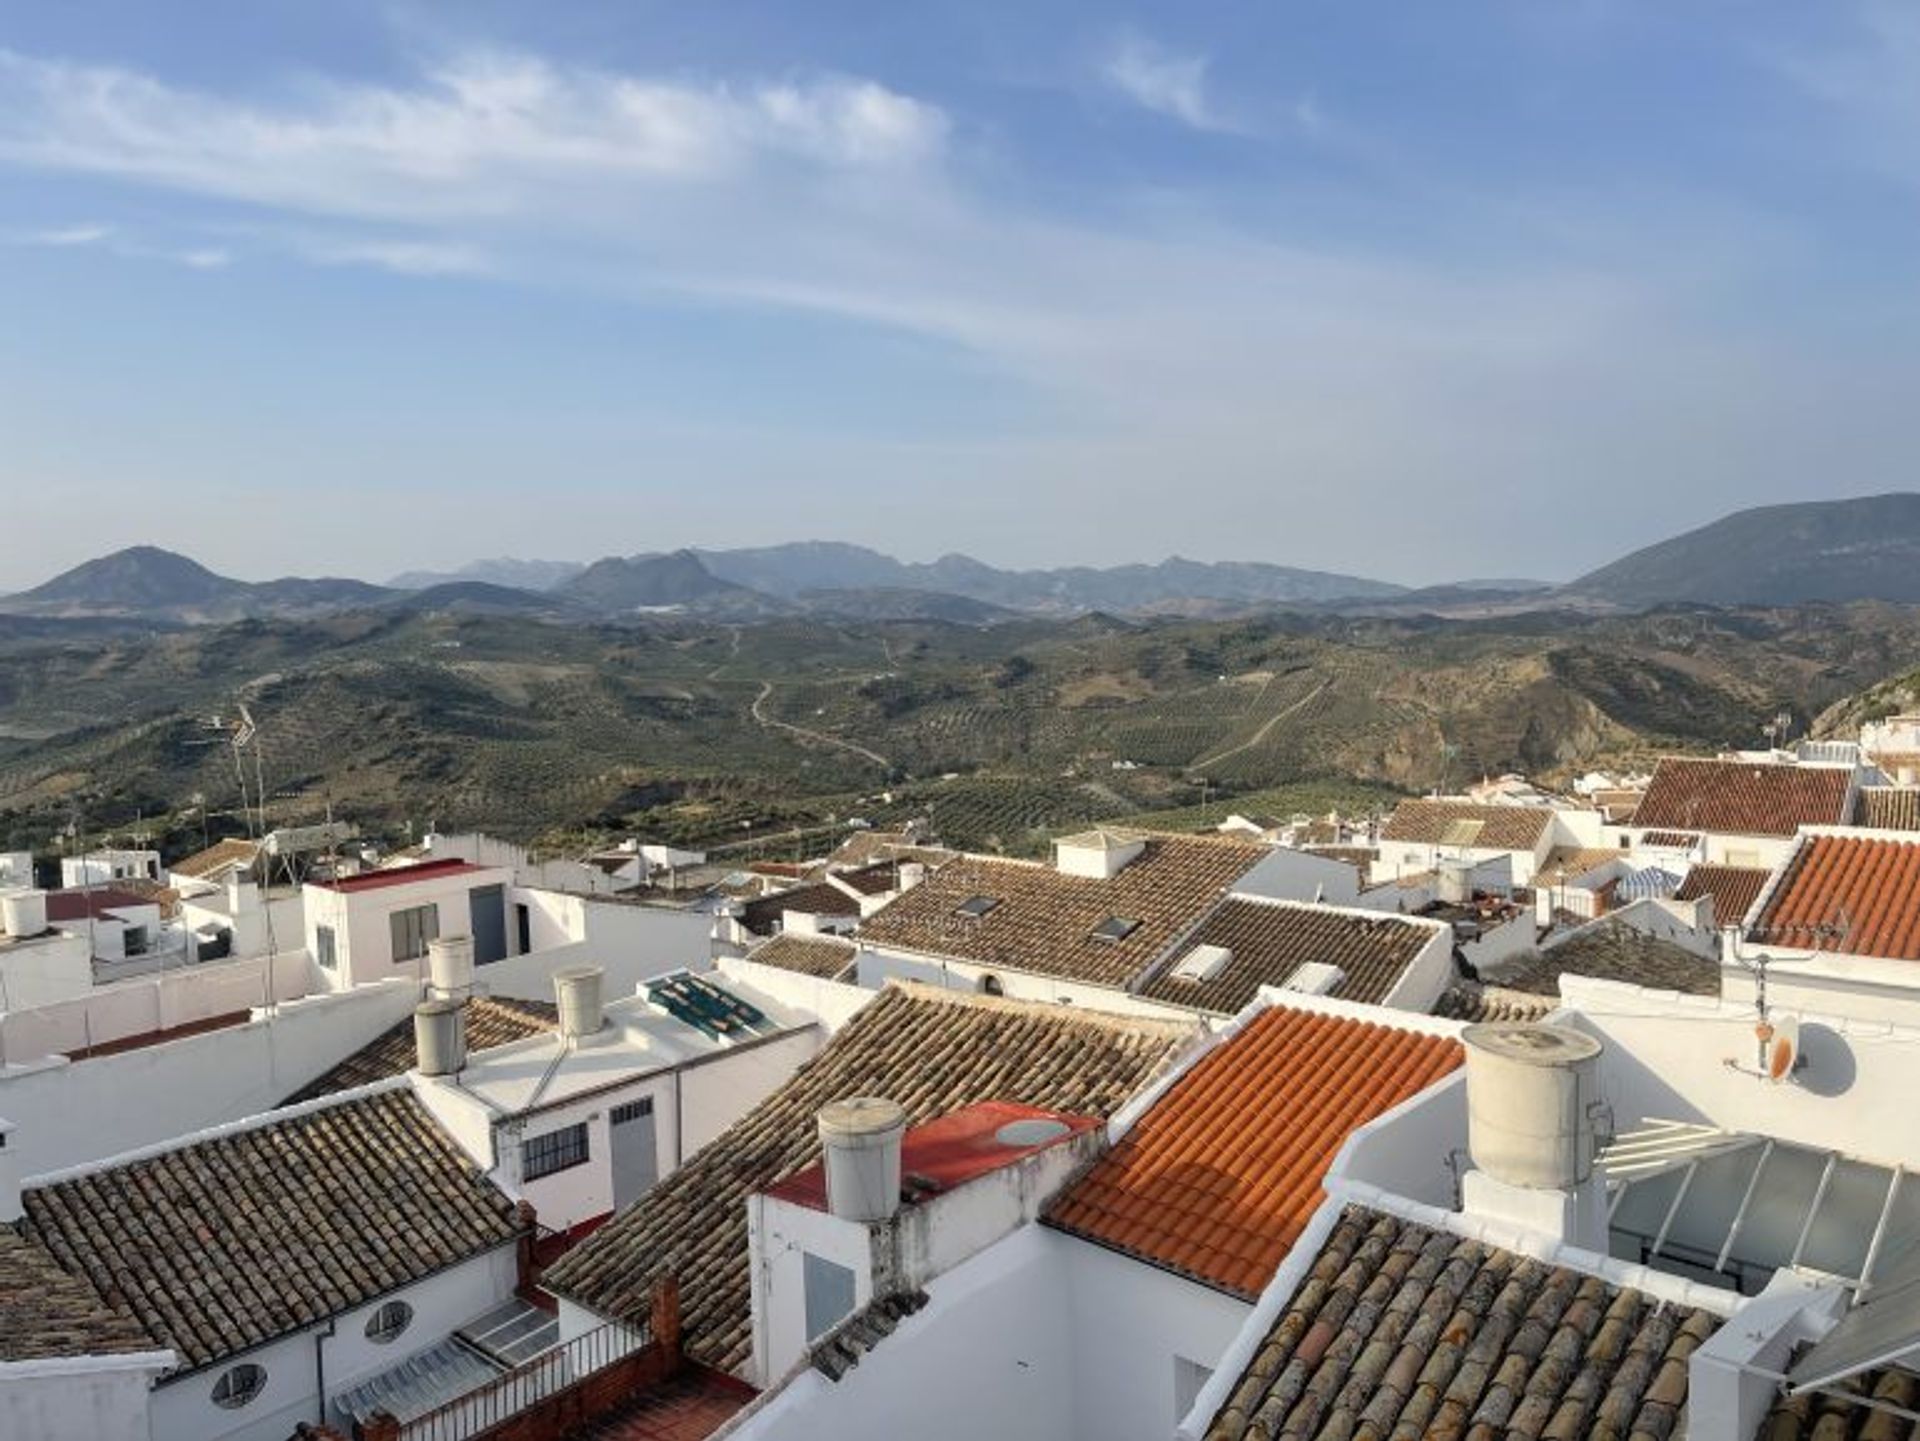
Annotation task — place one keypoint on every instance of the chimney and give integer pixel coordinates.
(576, 992)
(11, 1209)
(450, 967)
(910, 874)
(860, 1151)
(440, 1037)
(1531, 1090)
(1097, 854)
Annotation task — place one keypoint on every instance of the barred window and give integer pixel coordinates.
(237, 1387)
(555, 1151)
(388, 1321)
(631, 1111)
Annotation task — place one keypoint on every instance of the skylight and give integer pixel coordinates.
(1115, 928)
(975, 907)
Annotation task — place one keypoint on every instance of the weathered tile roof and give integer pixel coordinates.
(1671, 840)
(1836, 1418)
(1405, 1331)
(821, 956)
(1217, 1179)
(216, 857)
(841, 1349)
(1044, 921)
(818, 898)
(1502, 828)
(1361, 858)
(1889, 808)
(1471, 1001)
(1611, 953)
(491, 1021)
(1734, 889)
(1743, 798)
(931, 1051)
(1856, 895)
(230, 1241)
(1569, 863)
(44, 1312)
(1270, 940)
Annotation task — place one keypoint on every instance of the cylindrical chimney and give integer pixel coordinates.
(23, 913)
(860, 1152)
(450, 966)
(1529, 1088)
(440, 1036)
(576, 992)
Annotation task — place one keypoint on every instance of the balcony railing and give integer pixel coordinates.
(527, 1385)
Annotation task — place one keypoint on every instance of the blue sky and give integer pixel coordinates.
(1414, 291)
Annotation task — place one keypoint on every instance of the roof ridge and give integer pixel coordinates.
(1172, 1026)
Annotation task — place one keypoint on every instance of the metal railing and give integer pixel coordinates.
(527, 1385)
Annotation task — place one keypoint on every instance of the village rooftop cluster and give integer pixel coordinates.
(1511, 1113)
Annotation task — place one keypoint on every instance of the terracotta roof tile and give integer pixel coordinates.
(1401, 1330)
(1744, 798)
(932, 1052)
(1502, 828)
(1835, 1417)
(217, 857)
(1855, 894)
(224, 1243)
(1734, 889)
(44, 1312)
(1471, 1001)
(1217, 1179)
(1270, 940)
(821, 956)
(1044, 921)
(1889, 808)
(818, 898)
(1611, 953)
(491, 1021)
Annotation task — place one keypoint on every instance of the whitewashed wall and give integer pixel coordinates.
(1289, 875)
(143, 1005)
(68, 1112)
(83, 1398)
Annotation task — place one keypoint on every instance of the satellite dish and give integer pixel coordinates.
(1782, 1049)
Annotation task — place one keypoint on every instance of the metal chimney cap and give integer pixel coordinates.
(577, 973)
(861, 1116)
(1531, 1043)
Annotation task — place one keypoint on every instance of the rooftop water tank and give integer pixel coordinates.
(440, 1037)
(576, 991)
(23, 913)
(450, 966)
(1529, 1089)
(860, 1150)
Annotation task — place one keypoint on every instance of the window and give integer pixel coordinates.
(632, 1111)
(829, 1294)
(325, 948)
(1115, 928)
(134, 941)
(412, 929)
(238, 1386)
(388, 1320)
(990, 985)
(974, 907)
(555, 1151)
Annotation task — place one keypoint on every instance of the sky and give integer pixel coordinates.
(1419, 292)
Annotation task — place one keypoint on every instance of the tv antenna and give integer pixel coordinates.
(1776, 1037)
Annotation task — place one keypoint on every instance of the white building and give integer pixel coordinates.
(102, 867)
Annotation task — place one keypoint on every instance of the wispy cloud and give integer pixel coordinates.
(1162, 80)
(481, 134)
(60, 237)
(1870, 84)
(403, 257)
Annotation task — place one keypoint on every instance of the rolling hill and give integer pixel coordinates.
(1832, 550)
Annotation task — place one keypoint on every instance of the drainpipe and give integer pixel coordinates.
(320, 1339)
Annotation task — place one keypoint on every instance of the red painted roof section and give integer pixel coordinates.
(1217, 1180)
(399, 876)
(946, 1152)
(1743, 798)
(77, 904)
(1855, 895)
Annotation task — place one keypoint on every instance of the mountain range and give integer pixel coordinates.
(1845, 550)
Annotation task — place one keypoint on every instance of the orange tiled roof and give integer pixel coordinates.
(1743, 798)
(1858, 895)
(1734, 890)
(1218, 1178)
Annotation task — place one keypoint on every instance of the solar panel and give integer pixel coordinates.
(1884, 1328)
